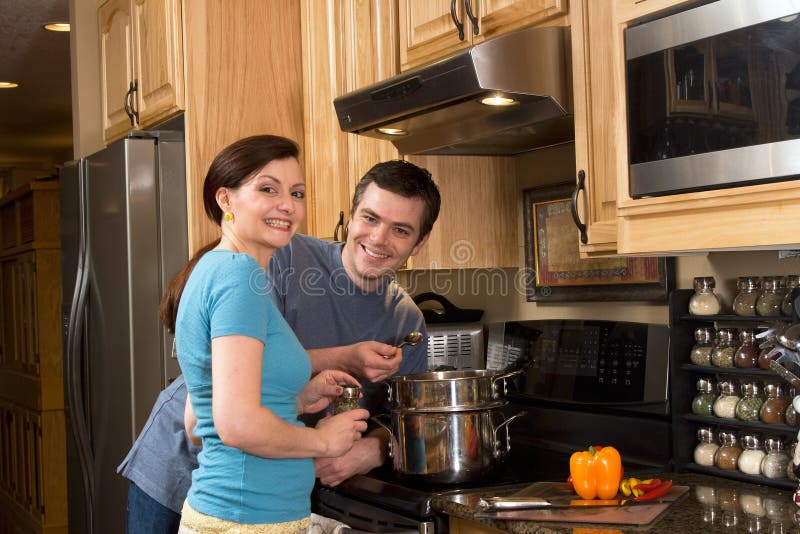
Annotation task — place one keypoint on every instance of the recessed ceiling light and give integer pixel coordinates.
(8, 85)
(57, 26)
(498, 101)
(392, 131)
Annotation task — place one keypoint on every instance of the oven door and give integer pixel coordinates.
(713, 97)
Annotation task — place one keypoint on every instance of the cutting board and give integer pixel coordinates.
(558, 493)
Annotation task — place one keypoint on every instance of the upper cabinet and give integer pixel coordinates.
(141, 54)
(433, 29)
(596, 78)
(347, 44)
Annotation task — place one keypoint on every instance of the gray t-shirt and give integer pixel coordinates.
(325, 309)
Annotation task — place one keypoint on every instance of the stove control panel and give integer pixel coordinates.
(589, 361)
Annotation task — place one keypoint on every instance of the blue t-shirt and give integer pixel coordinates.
(226, 295)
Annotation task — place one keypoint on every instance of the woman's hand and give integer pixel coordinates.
(339, 432)
(322, 390)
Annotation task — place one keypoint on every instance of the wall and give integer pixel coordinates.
(500, 295)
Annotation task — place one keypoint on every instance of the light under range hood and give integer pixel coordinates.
(438, 109)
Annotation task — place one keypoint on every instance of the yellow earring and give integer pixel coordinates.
(228, 216)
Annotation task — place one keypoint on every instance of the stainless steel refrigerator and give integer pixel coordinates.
(123, 237)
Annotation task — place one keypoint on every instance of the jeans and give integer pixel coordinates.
(145, 515)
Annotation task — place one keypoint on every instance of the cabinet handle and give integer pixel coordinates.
(458, 24)
(128, 103)
(574, 206)
(339, 224)
(134, 89)
(472, 18)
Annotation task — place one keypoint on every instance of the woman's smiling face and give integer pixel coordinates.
(268, 207)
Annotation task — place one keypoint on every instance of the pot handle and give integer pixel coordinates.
(497, 452)
(388, 392)
(377, 419)
(496, 394)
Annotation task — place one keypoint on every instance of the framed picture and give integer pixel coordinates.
(556, 272)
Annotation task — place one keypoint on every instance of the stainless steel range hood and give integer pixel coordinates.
(438, 109)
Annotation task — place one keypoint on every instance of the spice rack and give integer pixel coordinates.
(684, 375)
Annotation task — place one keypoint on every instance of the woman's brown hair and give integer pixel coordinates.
(232, 167)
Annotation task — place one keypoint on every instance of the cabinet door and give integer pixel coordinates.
(599, 116)
(116, 70)
(158, 59)
(477, 225)
(503, 16)
(346, 45)
(428, 31)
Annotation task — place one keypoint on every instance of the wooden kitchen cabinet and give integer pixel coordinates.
(628, 10)
(347, 44)
(477, 225)
(141, 57)
(33, 483)
(599, 115)
(433, 29)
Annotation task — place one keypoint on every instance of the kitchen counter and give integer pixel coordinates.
(712, 503)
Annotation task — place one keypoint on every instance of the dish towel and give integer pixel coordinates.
(326, 525)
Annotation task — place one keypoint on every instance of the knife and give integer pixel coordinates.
(507, 504)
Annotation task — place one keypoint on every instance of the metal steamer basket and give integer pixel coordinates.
(448, 427)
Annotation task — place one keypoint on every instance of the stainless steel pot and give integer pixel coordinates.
(448, 390)
(447, 447)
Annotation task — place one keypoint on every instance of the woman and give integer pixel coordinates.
(246, 373)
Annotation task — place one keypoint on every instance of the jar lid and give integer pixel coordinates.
(703, 282)
(727, 438)
(350, 392)
(703, 334)
(751, 388)
(773, 390)
(751, 441)
(706, 434)
(705, 385)
(748, 282)
(792, 280)
(747, 336)
(772, 282)
(726, 335)
(773, 444)
(727, 387)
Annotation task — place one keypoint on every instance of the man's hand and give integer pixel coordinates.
(366, 454)
(373, 360)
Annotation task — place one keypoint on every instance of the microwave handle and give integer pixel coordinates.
(574, 206)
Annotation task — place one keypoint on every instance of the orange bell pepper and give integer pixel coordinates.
(596, 473)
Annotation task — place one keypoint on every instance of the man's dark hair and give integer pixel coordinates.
(407, 180)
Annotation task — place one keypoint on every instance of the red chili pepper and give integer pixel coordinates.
(570, 485)
(650, 486)
(656, 492)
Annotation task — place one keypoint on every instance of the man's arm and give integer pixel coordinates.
(368, 359)
(367, 454)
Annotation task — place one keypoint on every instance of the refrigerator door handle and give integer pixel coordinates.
(74, 355)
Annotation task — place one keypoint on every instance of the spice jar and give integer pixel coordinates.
(766, 355)
(701, 351)
(771, 297)
(752, 505)
(703, 402)
(749, 406)
(725, 405)
(728, 453)
(750, 460)
(791, 414)
(704, 301)
(787, 306)
(773, 411)
(725, 349)
(776, 460)
(745, 301)
(746, 356)
(790, 466)
(706, 448)
(347, 401)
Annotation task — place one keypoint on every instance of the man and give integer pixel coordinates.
(346, 310)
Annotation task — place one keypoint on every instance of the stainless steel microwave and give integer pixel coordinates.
(713, 97)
